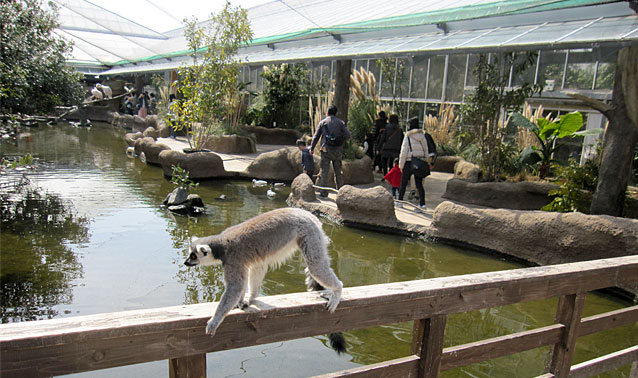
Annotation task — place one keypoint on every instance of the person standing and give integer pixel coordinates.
(334, 134)
(142, 105)
(377, 131)
(390, 143)
(307, 163)
(414, 145)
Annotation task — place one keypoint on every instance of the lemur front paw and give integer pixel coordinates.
(211, 328)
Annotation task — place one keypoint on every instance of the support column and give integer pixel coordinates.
(343, 70)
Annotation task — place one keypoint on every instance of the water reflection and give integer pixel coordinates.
(132, 252)
(36, 263)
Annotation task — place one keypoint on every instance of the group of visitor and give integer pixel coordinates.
(142, 105)
(408, 155)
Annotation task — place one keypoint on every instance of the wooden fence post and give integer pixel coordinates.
(569, 312)
(427, 343)
(193, 366)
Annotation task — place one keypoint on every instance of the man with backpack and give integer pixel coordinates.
(334, 134)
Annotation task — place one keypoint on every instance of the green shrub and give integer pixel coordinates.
(181, 178)
(576, 185)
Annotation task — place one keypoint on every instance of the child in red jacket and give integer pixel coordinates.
(394, 178)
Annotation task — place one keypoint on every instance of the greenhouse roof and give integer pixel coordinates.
(288, 30)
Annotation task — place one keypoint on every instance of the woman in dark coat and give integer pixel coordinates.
(377, 129)
(390, 143)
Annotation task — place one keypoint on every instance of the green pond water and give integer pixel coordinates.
(85, 234)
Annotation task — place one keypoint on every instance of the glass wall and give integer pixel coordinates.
(424, 81)
(580, 69)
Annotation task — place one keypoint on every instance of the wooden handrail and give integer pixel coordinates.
(93, 342)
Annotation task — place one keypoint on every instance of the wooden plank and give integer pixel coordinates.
(484, 350)
(75, 344)
(401, 367)
(193, 366)
(605, 363)
(431, 345)
(607, 320)
(570, 309)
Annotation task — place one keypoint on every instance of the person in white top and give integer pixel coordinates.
(414, 145)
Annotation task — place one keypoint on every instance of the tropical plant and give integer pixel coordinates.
(548, 135)
(318, 108)
(485, 109)
(576, 185)
(283, 85)
(364, 104)
(209, 86)
(444, 126)
(34, 76)
(181, 178)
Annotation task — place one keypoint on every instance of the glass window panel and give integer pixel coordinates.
(580, 69)
(416, 110)
(455, 77)
(606, 71)
(606, 29)
(435, 80)
(550, 33)
(526, 76)
(316, 73)
(325, 76)
(374, 68)
(386, 77)
(361, 63)
(403, 78)
(260, 79)
(472, 78)
(551, 68)
(419, 77)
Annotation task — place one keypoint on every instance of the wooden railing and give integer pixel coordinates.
(85, 343)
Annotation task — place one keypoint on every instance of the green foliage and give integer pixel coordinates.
(22, 161)
(359, 122)
(485, 108)
(210, 87)
(33, 75)
(181, 178)
(393, 72)
(549, 134)
(576, 185)
(283, 85)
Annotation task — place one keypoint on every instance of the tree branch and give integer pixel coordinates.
(596, 104)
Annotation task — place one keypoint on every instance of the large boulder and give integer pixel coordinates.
(164, 129)
(301, 190)
(446, 163)
(373, 206)
(355, 172)
(141, 143)
(132, 137)
(151, 132)
(177, 197)
(524, 195)
(200, 165)
(467, 171)
(266, 135)
(230, 144)
(283, 164)
(539, 237)
(150, 148)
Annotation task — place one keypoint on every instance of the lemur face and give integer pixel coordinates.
(201, 254)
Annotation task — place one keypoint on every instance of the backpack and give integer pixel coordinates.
(333, 140)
